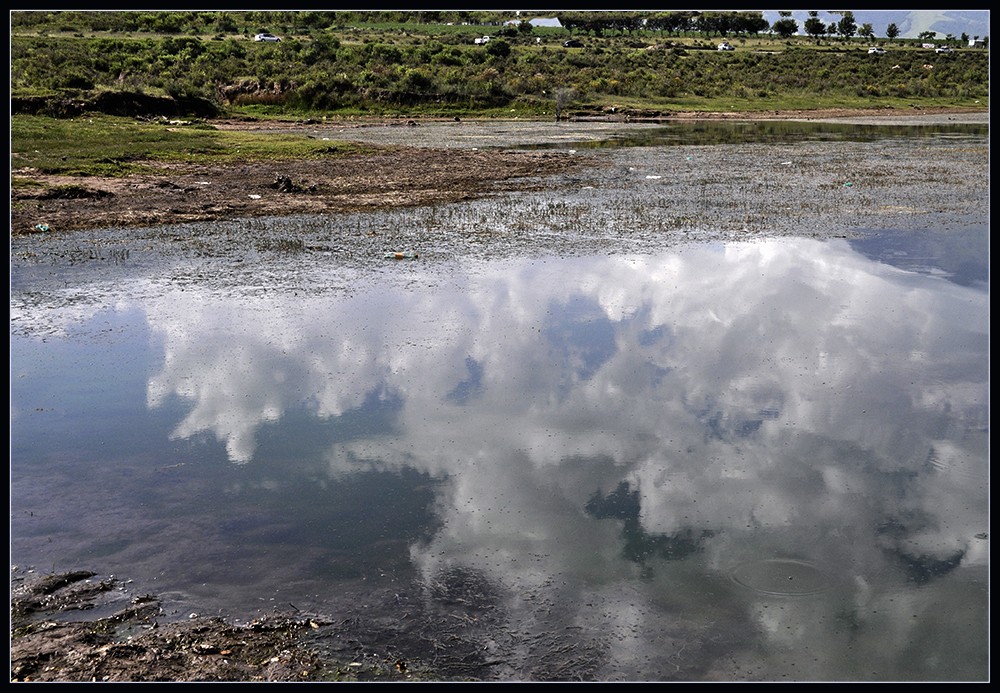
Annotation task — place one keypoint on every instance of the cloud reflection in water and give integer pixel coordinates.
(780, 400)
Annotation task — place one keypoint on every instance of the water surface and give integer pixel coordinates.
(724, 461)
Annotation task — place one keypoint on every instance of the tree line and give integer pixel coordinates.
(600, 23)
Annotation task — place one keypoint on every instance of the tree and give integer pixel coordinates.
(785, 28)
(751, 22)
(866, 31)
(927, 35)
(714, 23)
(847, 27)
(672, 22)
(891, 31)
(814, 26)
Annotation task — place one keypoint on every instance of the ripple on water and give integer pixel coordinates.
(782, 576)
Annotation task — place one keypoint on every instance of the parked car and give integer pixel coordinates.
(572, 43)
(271, 38)
(943, 49)
(726, 46)
(481, 40)
(876, 50)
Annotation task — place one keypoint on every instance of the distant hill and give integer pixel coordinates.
(911, 23)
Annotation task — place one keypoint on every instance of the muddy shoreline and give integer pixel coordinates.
(386, 179)
(396, 175)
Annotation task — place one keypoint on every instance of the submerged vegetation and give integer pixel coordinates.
(427, 63)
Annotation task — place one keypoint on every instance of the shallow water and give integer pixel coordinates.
(611, 134)
(726, 460)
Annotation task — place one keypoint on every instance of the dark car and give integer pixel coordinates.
(572, 43)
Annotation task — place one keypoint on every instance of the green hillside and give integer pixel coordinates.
(427, 63)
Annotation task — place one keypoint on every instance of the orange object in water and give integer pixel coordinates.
(403, 256)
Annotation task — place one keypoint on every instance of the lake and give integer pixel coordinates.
(723, 460)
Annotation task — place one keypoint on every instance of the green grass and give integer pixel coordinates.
(112, 146)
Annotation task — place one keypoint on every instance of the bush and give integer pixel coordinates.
(498, 48)
(74, 80)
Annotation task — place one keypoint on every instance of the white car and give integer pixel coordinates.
(943, 49)
(875, 50)
(726, 46)
(266, 37)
